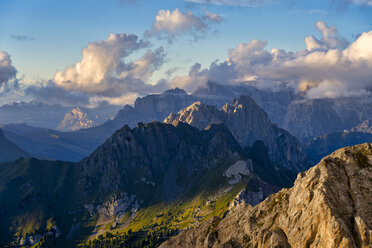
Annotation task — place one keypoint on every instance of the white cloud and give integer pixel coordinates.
(327, 68)
(170, 24)
(330, 38)
(102, 71)
(104, 75)
(7, 70)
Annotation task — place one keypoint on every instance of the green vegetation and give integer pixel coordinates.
(131, 239)
(152, 225)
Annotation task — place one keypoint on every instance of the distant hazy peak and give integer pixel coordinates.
(176, 90)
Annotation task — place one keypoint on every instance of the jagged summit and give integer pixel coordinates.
(328, 206)
(248, 123)
(74, 120)
(364, 127)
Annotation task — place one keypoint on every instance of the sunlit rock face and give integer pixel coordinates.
(248, 123)
(364, 127)
(75, 120)
(329, 206)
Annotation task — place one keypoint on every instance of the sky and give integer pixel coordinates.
(86, 52)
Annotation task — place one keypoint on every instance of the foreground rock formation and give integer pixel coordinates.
(330, 205)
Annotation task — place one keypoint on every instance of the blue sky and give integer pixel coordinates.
(60, 29)
(43, 36)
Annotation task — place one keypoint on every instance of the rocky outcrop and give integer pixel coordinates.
(330, 205)
(248, 123)
(364, 127)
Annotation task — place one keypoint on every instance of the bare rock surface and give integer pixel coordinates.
(329, 205)
(364, 127)
(248, 123)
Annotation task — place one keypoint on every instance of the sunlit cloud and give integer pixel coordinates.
(328, 67)
(171, 24)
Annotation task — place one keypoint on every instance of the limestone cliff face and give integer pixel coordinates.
(74, 120)
(330, 205)
(152, 108)
(310, 118)
(248, 123)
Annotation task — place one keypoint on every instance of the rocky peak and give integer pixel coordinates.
(75, 120)
(248, 123)
(364, 127)
(198, 115)
(328, 206)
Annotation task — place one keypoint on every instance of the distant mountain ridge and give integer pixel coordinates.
(324, 145)
(138, 179)
(10, 151)
(304, 118)
(74, 146)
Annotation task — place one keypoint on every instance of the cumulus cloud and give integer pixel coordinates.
(7, 70)
(103, 73)
(328, 67)
(330, 38)
(170, 24)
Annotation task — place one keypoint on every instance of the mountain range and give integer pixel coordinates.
(170, 177)
(248, 123)
(195, 172)
(306, 119)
